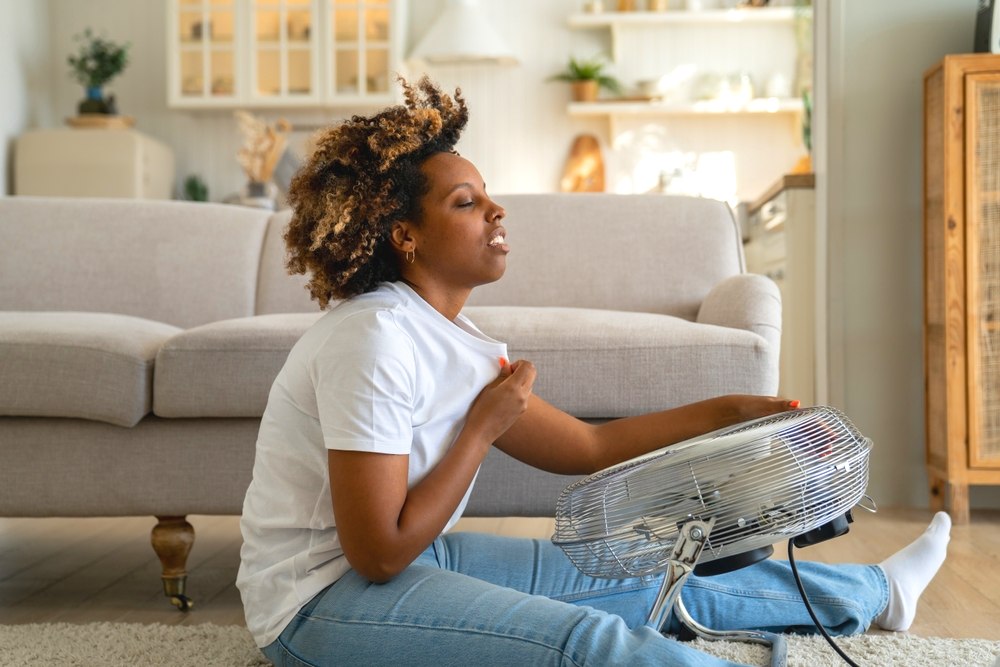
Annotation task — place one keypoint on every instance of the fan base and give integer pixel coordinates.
(835, 528)
(734, 562)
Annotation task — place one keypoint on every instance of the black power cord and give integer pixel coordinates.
(812, 614)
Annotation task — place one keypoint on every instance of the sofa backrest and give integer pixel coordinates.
(635, 253)
(181, 263)
(646, 253)
(277, 291)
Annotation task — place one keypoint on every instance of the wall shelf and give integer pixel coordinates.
(709, 64)
(618, 20)
(769, 105)
(757, 15)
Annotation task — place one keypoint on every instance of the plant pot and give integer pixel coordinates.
(259, 195)
(584, 91)
(94, 101)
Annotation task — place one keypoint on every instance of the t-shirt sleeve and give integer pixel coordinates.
(364, 379)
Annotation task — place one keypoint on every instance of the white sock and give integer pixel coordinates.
(910, 569)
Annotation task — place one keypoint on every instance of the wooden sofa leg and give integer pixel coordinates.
(172, 539)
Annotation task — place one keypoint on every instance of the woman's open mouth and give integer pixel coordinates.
(499, 241)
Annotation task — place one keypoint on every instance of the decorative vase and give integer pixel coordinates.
(93, 102)
(803, 166)
(259, 195)
(584, 91)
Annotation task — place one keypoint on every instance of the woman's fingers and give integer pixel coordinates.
(525, 373)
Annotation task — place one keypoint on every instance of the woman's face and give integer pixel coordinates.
(459, 241)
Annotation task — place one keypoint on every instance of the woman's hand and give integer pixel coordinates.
(737, 408)
(502, 401)
(383, 523)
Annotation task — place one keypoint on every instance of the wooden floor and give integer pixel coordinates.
(87, 570)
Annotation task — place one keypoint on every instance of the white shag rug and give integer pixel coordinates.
(206, 645)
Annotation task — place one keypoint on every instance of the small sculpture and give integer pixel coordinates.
(584, 170)
(263, 146)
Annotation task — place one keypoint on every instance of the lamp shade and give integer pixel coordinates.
(462, 34)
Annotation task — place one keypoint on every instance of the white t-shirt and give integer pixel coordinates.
(381, 372)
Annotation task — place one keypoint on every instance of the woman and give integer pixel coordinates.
(377, 424)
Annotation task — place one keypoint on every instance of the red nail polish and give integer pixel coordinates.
(793, 404)
(503, 362)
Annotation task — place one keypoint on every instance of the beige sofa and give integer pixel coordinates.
(139, 339)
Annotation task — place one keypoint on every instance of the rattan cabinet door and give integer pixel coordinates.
(982, 127)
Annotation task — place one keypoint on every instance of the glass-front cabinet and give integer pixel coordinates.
(308, 53)
(205, 41)
(361, 62)
(284, 52)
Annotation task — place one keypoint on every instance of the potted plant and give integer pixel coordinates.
(586, 77)
(195, 188)
(97, 61)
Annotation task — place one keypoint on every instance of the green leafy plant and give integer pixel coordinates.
(98, 60)
(195, 188)
(591, 69)
(807, 115)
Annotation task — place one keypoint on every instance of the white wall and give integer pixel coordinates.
(24, 77)
(519, 133)
(876, 247)
(204, 142)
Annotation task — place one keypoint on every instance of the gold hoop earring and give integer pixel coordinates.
(410, 256)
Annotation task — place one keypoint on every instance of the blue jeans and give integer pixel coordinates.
(478, 599)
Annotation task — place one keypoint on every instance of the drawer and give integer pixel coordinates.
(773, 213)
(772, 247)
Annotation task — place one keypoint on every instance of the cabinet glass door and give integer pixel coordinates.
(206, 51)
(983, 258)
(361, 57)
(284, 54)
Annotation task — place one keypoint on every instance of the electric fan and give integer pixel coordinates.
(716, 503)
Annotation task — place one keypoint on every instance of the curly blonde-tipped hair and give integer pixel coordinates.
(362, 178)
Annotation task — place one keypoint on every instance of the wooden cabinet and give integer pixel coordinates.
(66, 162)
(282, 53)
(782, 246)
(962, 277)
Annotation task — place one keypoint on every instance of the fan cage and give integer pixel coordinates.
(764, 482)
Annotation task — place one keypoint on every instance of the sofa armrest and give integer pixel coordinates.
(745, 301)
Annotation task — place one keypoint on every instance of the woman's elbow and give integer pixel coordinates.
(378, 575)
(375, 568)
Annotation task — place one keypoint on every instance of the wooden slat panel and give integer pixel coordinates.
(934, 299)
(982, 141)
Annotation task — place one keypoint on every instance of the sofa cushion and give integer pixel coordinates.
(600, 363)
(96, 366)
(226, 368)
(184, 263)
(277, 290)
(591, 363)
(607, 251)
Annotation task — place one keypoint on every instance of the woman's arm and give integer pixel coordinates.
(548, 438)
(383, 526)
